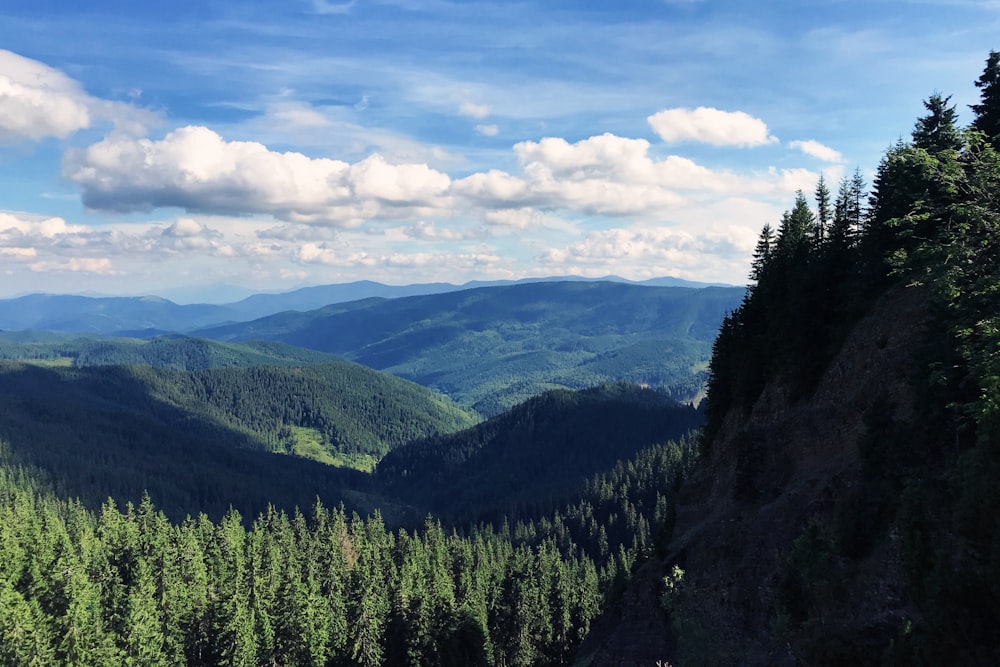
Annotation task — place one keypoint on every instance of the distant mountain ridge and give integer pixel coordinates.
(155, 315)
(492, 347)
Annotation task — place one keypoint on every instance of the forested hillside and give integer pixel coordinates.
(173, 351)
(198, 441)
(846, 511)
(527, 462)
(491, 348)
(125, 585)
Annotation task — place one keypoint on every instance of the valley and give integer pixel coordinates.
(517, 474)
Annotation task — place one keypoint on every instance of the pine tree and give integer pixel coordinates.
(938, 130)
(988, 110)
(796, 232)
(824, 214)
(762, 252)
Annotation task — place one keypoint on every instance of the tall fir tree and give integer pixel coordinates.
(988, 110)
(824, 214)
(938, 130)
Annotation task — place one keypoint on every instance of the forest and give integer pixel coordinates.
(191, 510)
(926, 234)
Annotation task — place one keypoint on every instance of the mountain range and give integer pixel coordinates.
(152, 315)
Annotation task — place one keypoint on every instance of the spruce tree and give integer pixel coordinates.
(824, 214)
(938, 130)
(988, 110)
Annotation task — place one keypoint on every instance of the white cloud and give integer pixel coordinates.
(296, 115)
(488, 130)
(711, 126)
(614, 176)
(185, 228)
(101, 265)
(37, 101)
(31, 224)
(428, 231)
(644, 251)
(817, 150)
(19, 253)
(374, 178)
(327, 7)
(195, 169)
(527, 218)
(474, 110)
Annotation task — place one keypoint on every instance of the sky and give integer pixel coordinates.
(161, 148)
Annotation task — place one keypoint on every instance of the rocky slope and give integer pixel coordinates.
(761, 525)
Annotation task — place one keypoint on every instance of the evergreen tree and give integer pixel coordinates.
(796, 231)
(762, 252)
(824, 214)
(938, 130)
(988, 110)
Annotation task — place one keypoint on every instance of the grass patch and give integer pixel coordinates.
(56, 362)
(308, 443)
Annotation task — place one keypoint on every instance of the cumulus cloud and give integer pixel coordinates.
(423, 230)
(612, 176)
(526, 218)
(37, 101)
(474, 110)
(817, 150)
(196, 169)
(653, 251)
(488, 130)
(711, 126)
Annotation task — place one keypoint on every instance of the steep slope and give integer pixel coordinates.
(846, 507)
(493, 347)
(786, 470)
(529, 460)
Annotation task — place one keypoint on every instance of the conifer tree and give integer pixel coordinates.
(824, 213)
(988, 110)
(762, 252)
(938, 130)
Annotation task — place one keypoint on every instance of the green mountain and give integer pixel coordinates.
(173, 351)
(202, 440)
(491, 348)
(526, 462)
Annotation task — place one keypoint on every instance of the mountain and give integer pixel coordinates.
(529, 460)
(204, 440)
(172, 351)
(311, 298)
(146, 316)
(493, 347)
(105, 315)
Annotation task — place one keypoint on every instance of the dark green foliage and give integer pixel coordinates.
(988, 110)
(533, 457)
(492, 348)
(127, 587)
(938, 130)
(930, 472)
(200, 441)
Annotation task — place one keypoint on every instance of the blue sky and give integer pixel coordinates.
(146, 147)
